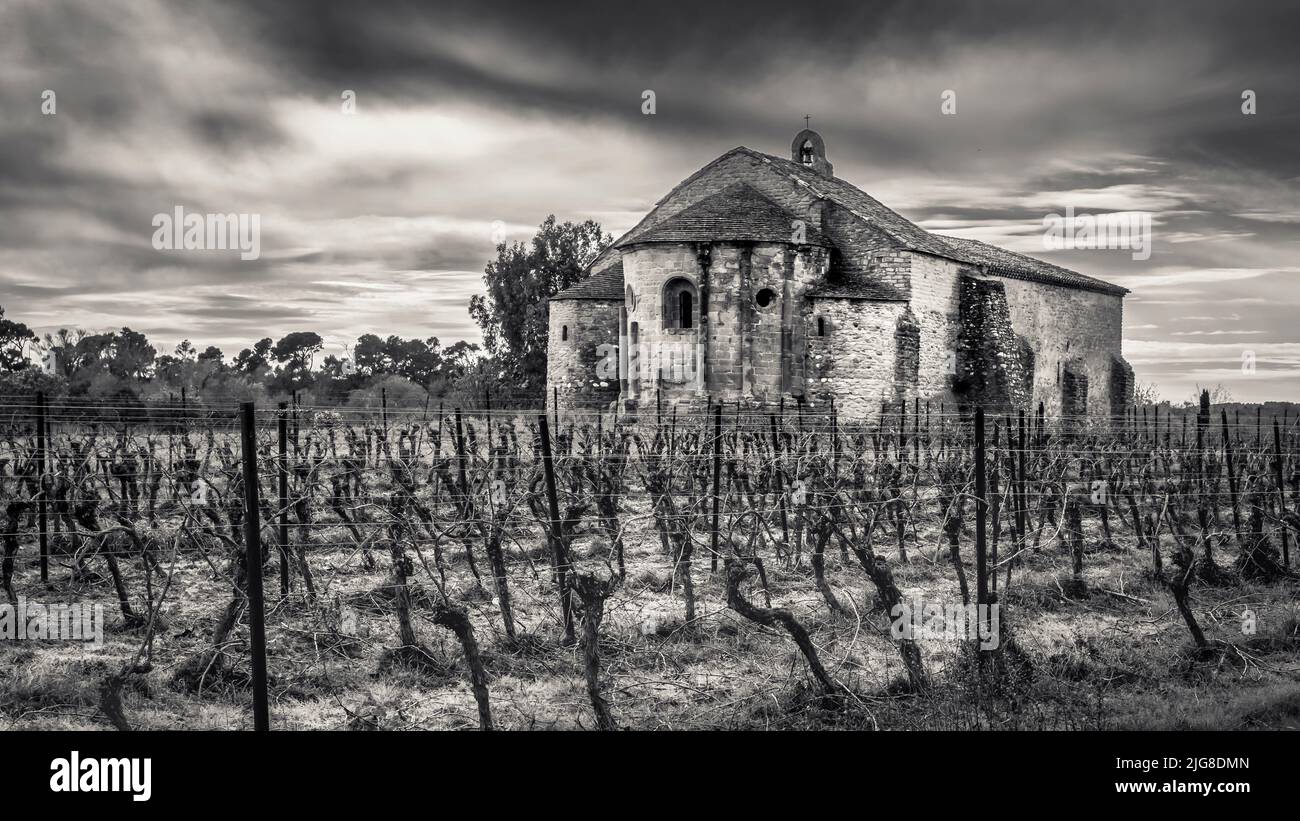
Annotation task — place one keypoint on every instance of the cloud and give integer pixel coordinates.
(476, 113)
(1271, 216)
(1165, 277)
(1214, 333)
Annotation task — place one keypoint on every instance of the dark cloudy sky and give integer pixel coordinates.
(472, 113)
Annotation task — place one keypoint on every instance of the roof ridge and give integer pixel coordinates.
(943, 241)
(739, 212)
(1074, 278)
(826, 192)
(679, 186)
(891, 223)
(606, 283)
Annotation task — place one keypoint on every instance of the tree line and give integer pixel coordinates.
(123, 366)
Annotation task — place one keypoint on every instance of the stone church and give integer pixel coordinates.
(761, 279)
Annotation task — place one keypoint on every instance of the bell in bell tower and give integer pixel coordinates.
(809, 150)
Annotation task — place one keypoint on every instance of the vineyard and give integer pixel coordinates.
(441, 568)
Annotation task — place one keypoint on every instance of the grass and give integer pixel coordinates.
(1115, 656)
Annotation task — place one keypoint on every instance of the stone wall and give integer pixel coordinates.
(760, 354)
(745, 350)
(907, 355)
(1057, 322)
(876, 353)
(1121, 386)
(855, 361)
(990, 361)
(670, 353)
(936, 304)
(864, 251)
(1063, 324)
(585, 374)
(1074, 387)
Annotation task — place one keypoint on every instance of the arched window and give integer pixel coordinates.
(806, 152)
(679, 304)
(564, 333)
(821, 326)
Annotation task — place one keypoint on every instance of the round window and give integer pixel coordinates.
(765, 297)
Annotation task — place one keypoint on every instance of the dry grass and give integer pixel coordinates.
(1116, 658)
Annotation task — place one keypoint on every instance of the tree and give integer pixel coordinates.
(92, 351)
(513, 313)
(458, 358)
(1146, 393)
(332, 367)
(31, 380)
(64, 340)
(132, 355)
(166, 369)
(197, 376)
(250, 361)
(295, 350)
(1219, 395)
(419, 360)
(370, 355)
(13, 344)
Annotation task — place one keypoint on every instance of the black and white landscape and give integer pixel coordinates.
(861, 365)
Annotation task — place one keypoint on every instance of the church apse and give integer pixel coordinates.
(761, 279)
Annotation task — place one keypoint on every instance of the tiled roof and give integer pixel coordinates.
(915, 238)
(739, 213)
(859, 289)
(846, 279)
(1018, 266)
(907, 233)
(855, 286)
(604, 284)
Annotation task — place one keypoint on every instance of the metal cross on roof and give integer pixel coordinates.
(805, 120)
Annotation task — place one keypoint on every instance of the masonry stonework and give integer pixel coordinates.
(803, 288)
(990, 366)
(579, 370)
(1074, 388)
(853, 361)
(735, 347)
(1121, 386)
(907, 356)
(1065, 323)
